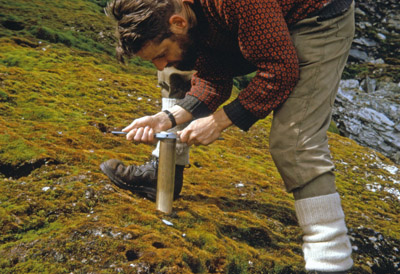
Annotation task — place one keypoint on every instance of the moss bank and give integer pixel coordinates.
(60, 214)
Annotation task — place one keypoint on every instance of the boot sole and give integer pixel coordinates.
(149, 192)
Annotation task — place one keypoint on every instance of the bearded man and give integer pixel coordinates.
(298, 50)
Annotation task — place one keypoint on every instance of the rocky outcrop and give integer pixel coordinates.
(369, 113)
(368, 241)
(377, 32)
(367, 108)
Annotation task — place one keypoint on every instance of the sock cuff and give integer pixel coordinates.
(320, 209)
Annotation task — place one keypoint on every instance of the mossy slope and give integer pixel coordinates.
(60, 214)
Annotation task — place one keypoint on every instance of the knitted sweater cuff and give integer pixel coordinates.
(196, 107)
(240, 117)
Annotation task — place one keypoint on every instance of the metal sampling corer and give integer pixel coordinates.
(166, 171)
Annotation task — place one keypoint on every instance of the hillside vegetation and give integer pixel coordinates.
(62, 92)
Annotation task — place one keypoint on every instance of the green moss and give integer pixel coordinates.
(380, 71)
(101, 3)
(37, 267)
(333, 128)
(237, 264)
(3, 96)
(241, 82)
(196, 264)
(142, 63)
(68, 38)
(56, 22)
(15, 150)
(203, 239)
(61, 95)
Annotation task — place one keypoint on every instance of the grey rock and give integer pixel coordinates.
(350, 84)
(369, 84)
(365, 42)
(381, 36)
(359, 55)
(371, 118)
(394, 22)
(378, 61)
(393, 138)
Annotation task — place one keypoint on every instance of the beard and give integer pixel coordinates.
(189, 51)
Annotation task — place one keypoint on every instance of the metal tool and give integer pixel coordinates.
(119, 132)
(166, 171)
(124, 133)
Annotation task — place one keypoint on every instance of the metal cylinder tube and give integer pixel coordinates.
(166, 172)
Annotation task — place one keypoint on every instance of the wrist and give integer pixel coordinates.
(163, 121)
(180, 114)
(170, 117)
(222, 120)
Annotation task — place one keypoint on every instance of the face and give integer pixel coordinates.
(177, 51)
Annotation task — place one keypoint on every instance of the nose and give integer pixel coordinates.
(160, 63)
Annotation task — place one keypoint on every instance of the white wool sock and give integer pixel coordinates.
(326, 246)
(182, 149)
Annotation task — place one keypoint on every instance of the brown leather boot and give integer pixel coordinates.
(139, 179)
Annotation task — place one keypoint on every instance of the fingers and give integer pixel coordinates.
(142, 134)
(131, 134)
(193, 134)
(195, 137)
(183, 136)
(131, 126)
(141, 130)
(140, 122)
(189, 137)
(128, 128)
(148, 135)
(139, 135)
(186, 136)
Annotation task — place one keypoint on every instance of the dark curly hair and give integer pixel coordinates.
(140, 21)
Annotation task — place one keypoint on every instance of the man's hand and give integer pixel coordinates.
(143, 129)
(205, 131)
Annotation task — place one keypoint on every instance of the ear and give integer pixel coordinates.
(178, 24)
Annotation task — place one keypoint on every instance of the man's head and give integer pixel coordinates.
(155, 30)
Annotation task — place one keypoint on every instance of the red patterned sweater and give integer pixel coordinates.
(237, 37)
